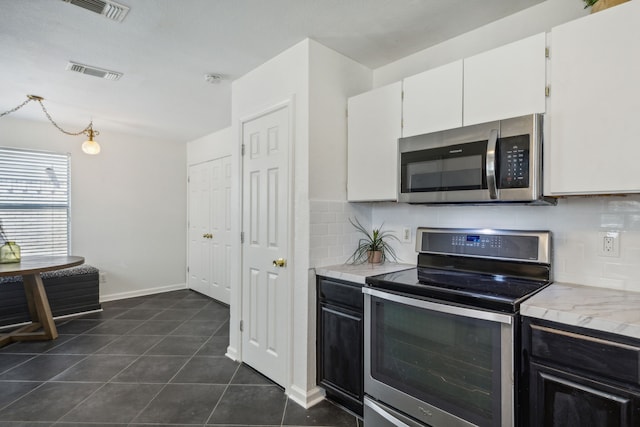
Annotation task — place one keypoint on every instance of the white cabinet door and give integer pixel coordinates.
(508, 81)
(432, 100)
(374, 126)
(595, 104)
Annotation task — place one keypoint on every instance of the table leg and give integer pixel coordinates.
(40, 311)
(41, 302)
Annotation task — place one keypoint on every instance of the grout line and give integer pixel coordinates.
(222, 395)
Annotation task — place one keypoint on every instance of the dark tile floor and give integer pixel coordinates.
(149, 361)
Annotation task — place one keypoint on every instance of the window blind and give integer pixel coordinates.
(34, 200)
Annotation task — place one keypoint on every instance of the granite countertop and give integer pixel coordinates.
(357, 273)
(608, 310)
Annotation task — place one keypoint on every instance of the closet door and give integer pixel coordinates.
(210, 228)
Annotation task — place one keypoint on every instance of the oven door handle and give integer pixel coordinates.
(440, 307)
(491, 164)
(384, 414)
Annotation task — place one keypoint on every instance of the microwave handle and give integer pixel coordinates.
(491, 164)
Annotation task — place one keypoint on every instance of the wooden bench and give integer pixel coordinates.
(70, 291)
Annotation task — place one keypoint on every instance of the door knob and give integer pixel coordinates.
(208, 236)
(280, 262)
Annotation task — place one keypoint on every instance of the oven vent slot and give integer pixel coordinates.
(109, 9)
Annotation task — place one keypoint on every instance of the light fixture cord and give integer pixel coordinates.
(39, 100)
(85, 130)
(13, 110)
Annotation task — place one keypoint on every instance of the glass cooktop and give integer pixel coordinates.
(488, 291)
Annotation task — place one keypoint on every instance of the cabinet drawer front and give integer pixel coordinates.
(603, 357)
(341, 294)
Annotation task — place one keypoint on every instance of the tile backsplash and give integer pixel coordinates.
(333, 238)
(576, 224)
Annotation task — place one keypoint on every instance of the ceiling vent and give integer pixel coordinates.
(93, 71)
(108, 9)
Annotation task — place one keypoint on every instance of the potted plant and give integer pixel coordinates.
(372, 247)
(598, 5)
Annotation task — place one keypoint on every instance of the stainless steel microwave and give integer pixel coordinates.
(498, 161)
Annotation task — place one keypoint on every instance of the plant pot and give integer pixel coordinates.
(605, 4)
(374, 257)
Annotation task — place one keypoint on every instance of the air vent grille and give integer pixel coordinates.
(108, 9)
(93, 71)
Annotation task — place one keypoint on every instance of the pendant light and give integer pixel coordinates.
(90, 146)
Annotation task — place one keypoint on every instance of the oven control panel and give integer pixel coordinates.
(500, 244)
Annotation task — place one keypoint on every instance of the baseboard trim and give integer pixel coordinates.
(232, 353)
(306, 399)
(142, 292)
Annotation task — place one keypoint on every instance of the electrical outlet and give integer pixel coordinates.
(406, 235)
(609, 242)
(102, 277)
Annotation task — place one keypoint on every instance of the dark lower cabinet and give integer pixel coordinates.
(340, 346)
(580, 378)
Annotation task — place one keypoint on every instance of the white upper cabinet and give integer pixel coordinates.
(508, 81)
(595, 104)
(374, 126)
(433, 100)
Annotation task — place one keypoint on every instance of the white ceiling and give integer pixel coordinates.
(165, 47)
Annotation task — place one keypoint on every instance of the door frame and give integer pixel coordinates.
(289, 104)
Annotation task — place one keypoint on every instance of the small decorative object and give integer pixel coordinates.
(598, 5)
(372, 248)
(10, 251)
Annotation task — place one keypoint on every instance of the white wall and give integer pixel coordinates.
(284, 78)
(318, 81)
(332, 79)
(128, 205)
(534, 20)
(209, 147)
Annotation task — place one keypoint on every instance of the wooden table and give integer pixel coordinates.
(41, 318)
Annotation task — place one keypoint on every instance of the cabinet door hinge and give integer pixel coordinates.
(241, 326)
(547, 91)
(546, 52)
(242, 237)
(188, 179)
(243, 149)
(187, 268)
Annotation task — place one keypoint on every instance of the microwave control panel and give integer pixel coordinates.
(513, 153)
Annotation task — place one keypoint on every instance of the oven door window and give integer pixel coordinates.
(456, 167)
(449, 361)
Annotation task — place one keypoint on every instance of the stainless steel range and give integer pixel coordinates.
(441, 340)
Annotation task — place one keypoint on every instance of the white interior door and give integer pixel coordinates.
(221, 230)
(265, 287)
(210, 228)
(199, 223)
